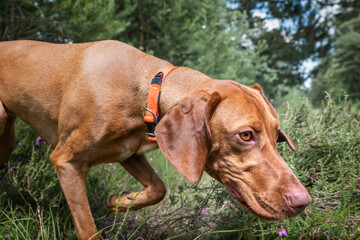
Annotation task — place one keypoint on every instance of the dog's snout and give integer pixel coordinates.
(298, 201)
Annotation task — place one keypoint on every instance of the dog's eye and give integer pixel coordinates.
(246, 136)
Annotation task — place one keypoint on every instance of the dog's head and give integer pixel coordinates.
(230, 131)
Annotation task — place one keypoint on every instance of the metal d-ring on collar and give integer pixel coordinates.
(151, 126)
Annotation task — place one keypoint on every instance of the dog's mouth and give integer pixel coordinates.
(236, 193)
(246, 203)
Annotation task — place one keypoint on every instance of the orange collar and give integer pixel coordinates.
(151, 117)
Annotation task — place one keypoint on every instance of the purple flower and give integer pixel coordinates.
(284, 103)
(38, 141)
(121, 185)
(358, 179)
(114, 167)
(328, 95)
(282, 233)
(271, 100)
(110, 164)
(355, 121)
(206, 211)
(19, 144)
(30, 129)
(11, 169)
(150, 159)
(106, 169)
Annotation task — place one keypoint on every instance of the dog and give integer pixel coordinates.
(87, 101)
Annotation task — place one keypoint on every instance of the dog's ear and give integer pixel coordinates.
(282, 137)
(183, 134)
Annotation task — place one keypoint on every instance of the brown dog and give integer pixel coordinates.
(87, 100)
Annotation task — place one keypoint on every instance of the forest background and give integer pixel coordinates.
(304, 53)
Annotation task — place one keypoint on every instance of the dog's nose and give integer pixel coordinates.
(298, 202)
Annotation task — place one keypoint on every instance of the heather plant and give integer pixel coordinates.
(327, 162)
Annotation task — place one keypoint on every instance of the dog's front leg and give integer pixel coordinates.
(7, 135)
(72, 176)
(154, 189)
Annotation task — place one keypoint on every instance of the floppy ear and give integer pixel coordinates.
(183, 134)
(282, 137)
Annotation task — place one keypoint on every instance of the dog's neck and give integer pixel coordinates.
(177, 85)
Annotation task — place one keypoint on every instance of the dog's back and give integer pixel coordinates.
(49, 67)
(35, 78)
(39, 93)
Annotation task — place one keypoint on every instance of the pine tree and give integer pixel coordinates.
(61, 21)
(338, 72)
(344, 71)
(204, 35)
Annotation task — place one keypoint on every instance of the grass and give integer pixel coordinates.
(32, 205)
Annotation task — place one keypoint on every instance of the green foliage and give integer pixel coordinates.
(338, 73)
(301, 35)
(338, 70)
(320, 83)
(32, 204)
(344, 71)
(85, 20)
(327, 163)
(61, 21)
(203, 35)
(306, 32)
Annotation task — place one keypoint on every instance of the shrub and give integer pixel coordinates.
(326, 162)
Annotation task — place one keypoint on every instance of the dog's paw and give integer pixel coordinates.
(113, 204)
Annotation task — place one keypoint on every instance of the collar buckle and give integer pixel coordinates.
(151, 112)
